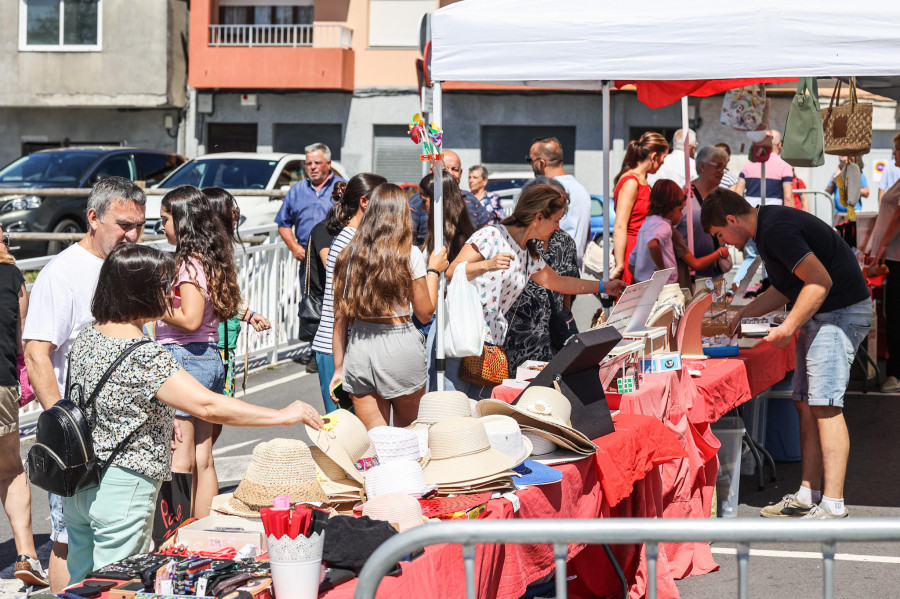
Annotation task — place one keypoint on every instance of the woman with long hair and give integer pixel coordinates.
(225, 207)
(114, 520)
(343, 219)
(380, 281)
(632, 196)
(206, 292)
(503, 258)
(457, 224)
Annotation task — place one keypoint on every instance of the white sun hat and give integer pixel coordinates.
(506, 437)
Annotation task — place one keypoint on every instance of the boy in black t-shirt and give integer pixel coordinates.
(810, 266)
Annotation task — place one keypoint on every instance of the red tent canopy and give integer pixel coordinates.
(657, 94)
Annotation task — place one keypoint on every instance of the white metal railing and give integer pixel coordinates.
(268, 276)
(327, 36)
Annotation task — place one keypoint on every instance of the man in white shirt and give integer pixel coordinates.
(673, 164)
(60, 306)
(546, 158)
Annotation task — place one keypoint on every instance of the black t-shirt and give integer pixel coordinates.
(11, 280)
(784, 236)
(319, 239)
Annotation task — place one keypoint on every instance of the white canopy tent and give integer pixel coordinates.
(587, 44)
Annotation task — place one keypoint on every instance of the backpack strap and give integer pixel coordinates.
(109, 371)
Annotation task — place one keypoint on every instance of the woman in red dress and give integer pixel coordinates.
(632, 196)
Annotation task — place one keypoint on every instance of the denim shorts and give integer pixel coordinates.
(58, 532)
(826, 347)
(203, 362)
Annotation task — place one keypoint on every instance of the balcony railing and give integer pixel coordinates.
(327, 36)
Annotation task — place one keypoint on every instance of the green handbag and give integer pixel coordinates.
(804, 141)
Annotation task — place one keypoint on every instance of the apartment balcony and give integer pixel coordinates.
(317, 56)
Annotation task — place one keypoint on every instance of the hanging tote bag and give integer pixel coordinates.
(804, 143)
(745, 108)
(310, 309)
(848, 127)
(464, 329)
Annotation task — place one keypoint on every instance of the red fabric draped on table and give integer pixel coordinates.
(630, 456)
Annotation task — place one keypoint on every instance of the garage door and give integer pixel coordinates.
(396, 156)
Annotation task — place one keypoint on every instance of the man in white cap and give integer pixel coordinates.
(673, 164)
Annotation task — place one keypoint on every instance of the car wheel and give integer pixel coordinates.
(66, 225)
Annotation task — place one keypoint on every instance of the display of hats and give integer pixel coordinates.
(343, 438)
(546, 412)
(402, 476)
(392, 443)
(398, 509)
(506, 437)
(540, 445)
(499, 484)
(277, 467)
(334, 480)
(441, 405)
(459, 507)
(461, 452)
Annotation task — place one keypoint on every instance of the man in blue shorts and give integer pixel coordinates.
(812, 268)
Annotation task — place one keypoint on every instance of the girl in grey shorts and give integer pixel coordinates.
(380, 280)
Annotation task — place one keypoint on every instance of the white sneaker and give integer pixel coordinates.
(30, 571)
(891, 385)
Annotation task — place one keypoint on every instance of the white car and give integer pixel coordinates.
(238, 170)
(508, 185)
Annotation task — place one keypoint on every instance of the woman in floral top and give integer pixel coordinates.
(503, 258)
(114, 520)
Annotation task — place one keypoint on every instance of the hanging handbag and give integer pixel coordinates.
(464, 329)
(488, 369)
(310, 309)
(848, 127)
(62, 459)
(804, 143)
(745, 108)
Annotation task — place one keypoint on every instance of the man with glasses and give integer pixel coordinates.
(546, 159)
(60, 306)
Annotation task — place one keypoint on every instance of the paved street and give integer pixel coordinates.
(867, 570)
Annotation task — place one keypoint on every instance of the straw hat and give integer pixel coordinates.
(440, 405)
(505, 436)
(402, 476)
(461, 451)
(277, 467)
(543, 409)
(392, 443)
(398, 509)
(540, 445)
(343, 438)
(333, 479)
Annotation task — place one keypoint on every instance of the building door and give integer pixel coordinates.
(396, 157)
(231, 137)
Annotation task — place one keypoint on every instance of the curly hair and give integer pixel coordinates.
(226, 208)
(200, 235)
(372, 275)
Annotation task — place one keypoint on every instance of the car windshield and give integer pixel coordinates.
(62, 168)
(230, 173)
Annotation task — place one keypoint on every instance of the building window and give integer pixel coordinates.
(508, 145)
(292, 138)
(246, 12)
(60, 25)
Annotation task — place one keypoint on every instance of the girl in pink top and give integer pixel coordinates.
(205, 291)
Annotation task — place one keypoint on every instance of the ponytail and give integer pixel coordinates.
(346, 196)
(638, 151)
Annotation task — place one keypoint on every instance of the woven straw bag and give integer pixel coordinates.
(848, 127)
(488, 369)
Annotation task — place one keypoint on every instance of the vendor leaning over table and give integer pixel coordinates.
(810, 266)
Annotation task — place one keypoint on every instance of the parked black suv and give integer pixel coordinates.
(69, 168)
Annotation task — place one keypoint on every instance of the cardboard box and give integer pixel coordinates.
(216, 532)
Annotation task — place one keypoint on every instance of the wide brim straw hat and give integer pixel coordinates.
(441, 405)
(539, 444)
(401, 510)
(505, 436)
(460, 451)
(559, 441)
(344, 439)
(540, 408)
(332, 477)
(277, 467)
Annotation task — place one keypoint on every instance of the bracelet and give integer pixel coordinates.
(252, 314)
(434, 270)
(602, 287)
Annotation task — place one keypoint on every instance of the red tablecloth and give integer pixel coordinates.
(629, 457)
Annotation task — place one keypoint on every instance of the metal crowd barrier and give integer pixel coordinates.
(627, 531)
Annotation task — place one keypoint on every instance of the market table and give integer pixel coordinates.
(621, 480)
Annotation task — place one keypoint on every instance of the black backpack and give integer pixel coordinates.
(62, 459)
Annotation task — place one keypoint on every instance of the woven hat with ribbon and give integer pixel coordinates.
(440, 405)
(277, 467)
(847, 127)
(461, 451)
(392, 443)
(343, 438)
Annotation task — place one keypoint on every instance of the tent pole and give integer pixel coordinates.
(687, 173)
(438, 208)
(606, 186)
(762, 184)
